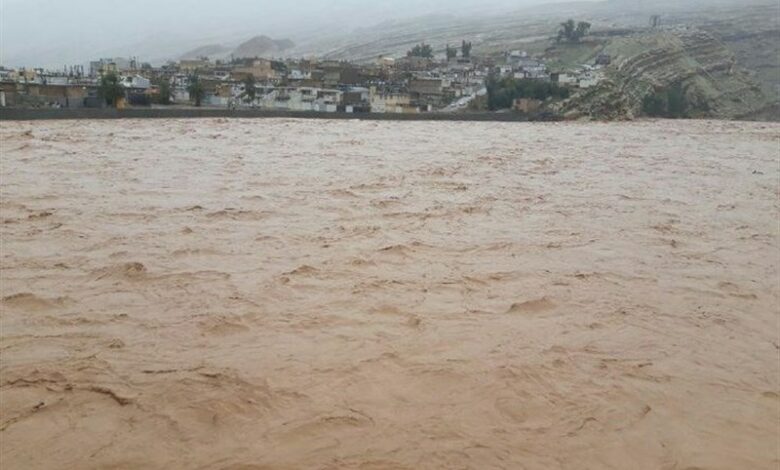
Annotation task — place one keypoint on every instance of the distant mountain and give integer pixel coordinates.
(262, 46)
(206, 51)
(258, 46)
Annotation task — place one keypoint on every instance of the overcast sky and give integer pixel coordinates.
(59, 32)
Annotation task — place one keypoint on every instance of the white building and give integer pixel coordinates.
(294, 99)
(136, 81)
(296, 74)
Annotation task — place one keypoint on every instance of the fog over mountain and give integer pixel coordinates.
(53, 33)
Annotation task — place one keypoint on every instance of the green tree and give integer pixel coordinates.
(668, 103)
(567, 30)
(110, 89)
(654, 105)
(573, 32)
(196, 90)
(676, 102)
(452, 52)
(465, 49)
(421, 50)
(502, 92)
(250, 91)
(583, 28)
(164, 92)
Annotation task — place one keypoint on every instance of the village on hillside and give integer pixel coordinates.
(675, 70)
(422, 81)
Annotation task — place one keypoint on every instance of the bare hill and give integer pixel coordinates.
(206, 51)
(263, 46)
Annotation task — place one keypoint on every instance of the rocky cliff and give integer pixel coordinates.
(712, 82)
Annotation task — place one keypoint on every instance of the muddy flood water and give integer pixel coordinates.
(284, 294)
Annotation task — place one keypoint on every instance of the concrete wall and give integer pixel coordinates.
(19, 114)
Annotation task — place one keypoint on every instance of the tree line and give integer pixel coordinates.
(573, 32)
(502, 92)
(110, 90)
(426, 51)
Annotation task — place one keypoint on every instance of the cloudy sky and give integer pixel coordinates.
(55, 33)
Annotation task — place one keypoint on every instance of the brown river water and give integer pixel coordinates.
(284, 294)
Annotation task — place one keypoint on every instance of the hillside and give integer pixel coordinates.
(262, 46)
(258, 46)
(646, 63)
(206, 51)
(724, 54)
(753, 34)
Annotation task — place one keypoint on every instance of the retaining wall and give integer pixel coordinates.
(26, 114)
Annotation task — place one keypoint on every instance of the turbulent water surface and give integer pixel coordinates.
(385, 295)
